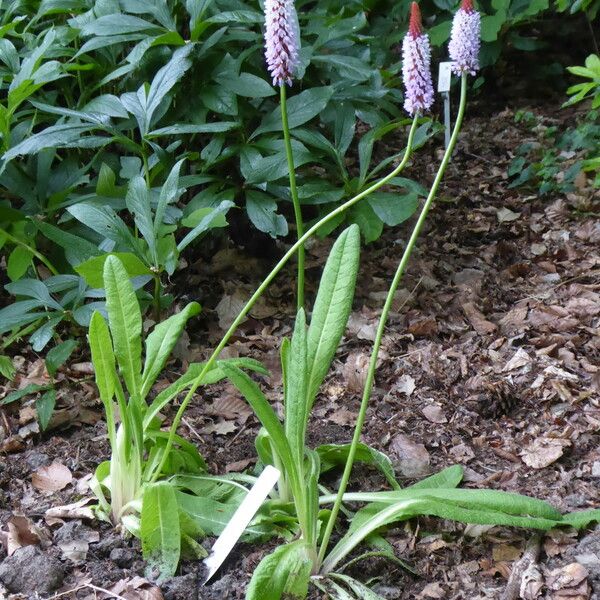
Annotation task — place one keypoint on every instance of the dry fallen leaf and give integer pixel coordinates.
(480, 324)
(355, 371)
(569, 582)
(434, 413)
(505, 552)
(222, 427)
(432, 590)
(543, 452)
(520, 359)
(406, 385)
(77, 510)
(411, 458)
(229, 308)
(52, 478)
(21, 532)
(136, 588)
(505, 215)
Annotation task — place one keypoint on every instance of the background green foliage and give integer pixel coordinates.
(139, 127)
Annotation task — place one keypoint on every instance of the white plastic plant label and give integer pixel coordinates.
(444, 77)
(240, 520)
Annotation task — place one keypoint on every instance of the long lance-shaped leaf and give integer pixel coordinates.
(125, 321)
(513, 504)
(407, 509)
(332, 307)
(265, 413)
(295, 401)
(103, 359)
(185, 381)
(168, 195)
(161, 342)
(137, 201)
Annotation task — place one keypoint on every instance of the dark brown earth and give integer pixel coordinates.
(491, 360)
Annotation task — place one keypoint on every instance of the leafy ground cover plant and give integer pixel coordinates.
(44, 404)
(126, 367)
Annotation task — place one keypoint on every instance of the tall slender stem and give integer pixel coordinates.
(38, 255)
(383, 322)
(263, 286)
(294, 193)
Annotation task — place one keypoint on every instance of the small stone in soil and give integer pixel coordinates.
(122, 557)
(29, 570)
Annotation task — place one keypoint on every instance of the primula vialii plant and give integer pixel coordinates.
(156, 484)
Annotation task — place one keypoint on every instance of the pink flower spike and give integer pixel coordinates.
(282, 40)
(416, 65)
(465, 39)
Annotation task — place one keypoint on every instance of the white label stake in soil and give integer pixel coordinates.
(444, 80)
(241, 519)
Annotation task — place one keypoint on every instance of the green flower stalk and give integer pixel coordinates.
(383, 321)
(282, 45)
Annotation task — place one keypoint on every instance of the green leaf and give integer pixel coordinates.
(295, 382)
(104, 221)
(92, 270)
(285, 573)
(19, 260)
(44, 407)
(125, 321)
(348, 67)
(117, 24)
(103, 360)
(137, 201)
(169, 193)
(370, 224)
(449, 477)
(160, 531)
(161, 342)
(205, 224)
(32, 388)
(360, 590)
(261, 210)
(7, 369)
(185, 381)
(332, 307)
(334, 455)
(33, 288)
(77, 249)
(58, 355)
(248, 85)
(301, 109)
(393, 209)
(161, 85)
(57, 136)
(263, 410)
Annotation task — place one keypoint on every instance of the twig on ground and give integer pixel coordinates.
(530, 556)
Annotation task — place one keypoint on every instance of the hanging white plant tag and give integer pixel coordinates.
(444, 77)
(240, 520)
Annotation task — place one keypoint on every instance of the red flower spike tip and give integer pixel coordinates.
(415, 29)
(467, 6)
